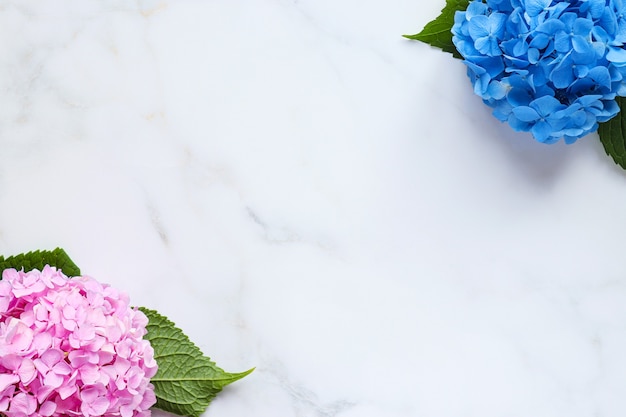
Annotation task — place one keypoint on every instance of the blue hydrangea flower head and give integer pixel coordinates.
(549, 67)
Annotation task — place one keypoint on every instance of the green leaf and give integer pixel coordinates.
(613, 135)
(437, 33)
(38, 259)
(186, 381)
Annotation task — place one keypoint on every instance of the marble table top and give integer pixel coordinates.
(304, 191)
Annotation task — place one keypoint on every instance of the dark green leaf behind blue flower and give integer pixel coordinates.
(437, 33)
(613, 135)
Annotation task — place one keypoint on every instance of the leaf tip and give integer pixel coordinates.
(232, 377)
(243, 374)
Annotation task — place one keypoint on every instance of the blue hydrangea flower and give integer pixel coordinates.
(549, 67)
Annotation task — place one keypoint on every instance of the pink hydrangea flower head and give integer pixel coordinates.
(71, 347)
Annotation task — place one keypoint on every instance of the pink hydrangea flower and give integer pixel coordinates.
(71, 347)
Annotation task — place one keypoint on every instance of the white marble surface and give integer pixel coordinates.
(304, 191)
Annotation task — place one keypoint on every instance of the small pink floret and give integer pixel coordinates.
(71, 347)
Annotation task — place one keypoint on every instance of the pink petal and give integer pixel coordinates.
(126, 411)
(99, 406)
(43, 393)
(123, 349)
(19, 336)
(88, 395)
(23, 403)
(47, 409)
(62, 368)
(105, 357)
(4, 404)
(90, 374)
(7, 379)
(68, 324)
(27, 371)
(51, 357)
(41, 314)
(113, 333)
(12, 362)
(149, 398)
(42, 341)
(10, 275)
(85, 332)
(78, 358)
(135, 376)
(69, 312)
(53, 380)
(65, 391)
(121, 366)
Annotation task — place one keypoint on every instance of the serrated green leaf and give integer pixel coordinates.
(437, 32)
(613, 135)
(40, 258)
(186, 381)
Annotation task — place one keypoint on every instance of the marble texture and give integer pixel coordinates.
(304, 191)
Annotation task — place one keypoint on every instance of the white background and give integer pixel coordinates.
(304, 191)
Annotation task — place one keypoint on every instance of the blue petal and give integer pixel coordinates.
(578, 118)
(558, 8)
(515, 64)
(594, 7)
(493, 65)
(620, 34)
(542, 131)
(520, 48)
(540, 41)
(533, 55)
(621, 90)
(479, 78)
(476, 8)
(526, 114)
(583, 46)
(550, 26)
(497, 22)
(582, 26)
(568, 20)
(502, 110)
(496, 90)
(488, 46)
(608, 21)
(546, 105)
(517, 124)
(599, 33)
(584, 57)
(475, 69)
(562, 76)
(581, 86)
(581, 71)
(538, 79)
(588, 100)
(562, 42)
(610, 110)
(459, 17)
(519, 97)
(534, 7)
(616, 55)
(601, 76)
(478, 27)
(465, 45)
